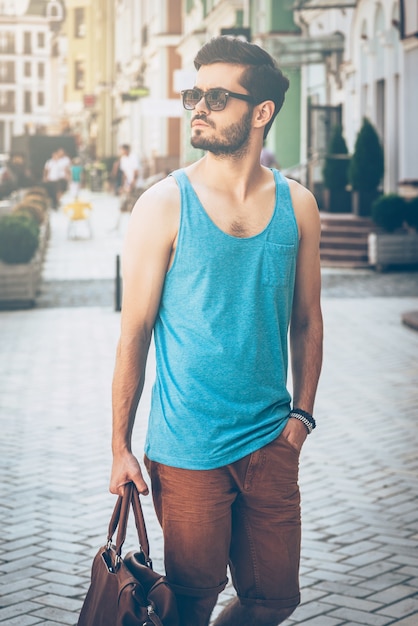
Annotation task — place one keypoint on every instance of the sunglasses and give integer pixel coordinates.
(216, 99)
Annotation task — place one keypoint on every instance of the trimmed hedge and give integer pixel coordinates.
(33, 208)
(19, 238)
(390, 212)
(411, 213)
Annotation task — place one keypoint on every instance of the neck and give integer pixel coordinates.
(228, 176)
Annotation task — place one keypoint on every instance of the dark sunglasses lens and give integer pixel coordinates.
(190, 98)
(216, 99)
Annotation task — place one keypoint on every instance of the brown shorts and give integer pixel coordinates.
(246, 514)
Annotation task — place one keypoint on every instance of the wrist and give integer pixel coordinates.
(304, 417)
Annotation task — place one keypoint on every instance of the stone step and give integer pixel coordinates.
(348, 231)
(357, 243)
(344, 240)
(344, 254)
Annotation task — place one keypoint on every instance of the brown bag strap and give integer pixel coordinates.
(120, 516)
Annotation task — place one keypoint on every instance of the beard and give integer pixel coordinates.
(233, 140)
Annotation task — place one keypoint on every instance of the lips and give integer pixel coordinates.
(201, 122)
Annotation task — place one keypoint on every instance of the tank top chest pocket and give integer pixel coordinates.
(278, 264)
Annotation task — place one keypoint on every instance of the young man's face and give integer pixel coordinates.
(225, 132)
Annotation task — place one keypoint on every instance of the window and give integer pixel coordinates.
(7, 101)
(27, 69)
(41, 99)
(41, 70)
(7, 72)
(2, 136)
(27, 107)
(380, 108)
(27, 43)
(79, 74)
(41, 40)
(144, 36)
(79, 23)
(7, 43)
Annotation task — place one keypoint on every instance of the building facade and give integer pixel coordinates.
(119, 75)
(90, 63)
(148, 109)
(31, 80)
(373, 76)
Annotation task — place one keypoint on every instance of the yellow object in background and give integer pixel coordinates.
(78, 211)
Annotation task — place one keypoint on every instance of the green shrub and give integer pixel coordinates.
(411, 213)
(29, 218)
(389, 211)
(18, 239)
(367, 163)
(335, 171)
(34, 208)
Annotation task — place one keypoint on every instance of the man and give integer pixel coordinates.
(51, 178)
(219, 258)
(64, 164)
(268, 158)
(129, 166)
(131, 183)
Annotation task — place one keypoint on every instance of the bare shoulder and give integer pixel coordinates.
(161, 201)
(154, 223)
(305, 207)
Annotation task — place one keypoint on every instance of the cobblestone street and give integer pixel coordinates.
(359, 469)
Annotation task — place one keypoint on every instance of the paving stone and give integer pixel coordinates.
(24, 620)
(407, 606)
(60, 602)
(14, 610)
(360, 617)
(392, 594)
(322, 620)
(408, 621)
(55, 614)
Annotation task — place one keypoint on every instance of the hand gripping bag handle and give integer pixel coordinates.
(119, 520)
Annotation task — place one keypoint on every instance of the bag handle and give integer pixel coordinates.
(119, 520)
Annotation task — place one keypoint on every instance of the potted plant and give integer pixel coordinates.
(335, 174)
(23, 240)
(366, 169)
(395, 241)
(411, 214)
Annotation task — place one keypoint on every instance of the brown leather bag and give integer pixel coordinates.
(127, 591)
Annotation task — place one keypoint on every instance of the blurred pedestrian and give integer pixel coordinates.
(267, 157)
(64, 164)
(76, 177)
(130, 168)
(51, 176)
(132, 182)
(116, 177)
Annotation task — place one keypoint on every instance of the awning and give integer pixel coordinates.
(294, 50)
(303, 5)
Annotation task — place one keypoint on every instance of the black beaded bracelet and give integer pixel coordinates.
(305, 417)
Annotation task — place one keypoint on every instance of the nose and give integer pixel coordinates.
(202, 106)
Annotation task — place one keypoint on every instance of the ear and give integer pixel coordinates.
(263, 113)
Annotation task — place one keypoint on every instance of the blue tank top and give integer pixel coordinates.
(221, 338)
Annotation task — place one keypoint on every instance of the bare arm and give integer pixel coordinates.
(147, 252)
(306, 330)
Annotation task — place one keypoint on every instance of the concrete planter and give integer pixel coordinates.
(393, 249)
(19, 283)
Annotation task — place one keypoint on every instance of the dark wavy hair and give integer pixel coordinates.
(262, 78)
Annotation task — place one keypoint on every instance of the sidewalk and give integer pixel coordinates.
(359, 469)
